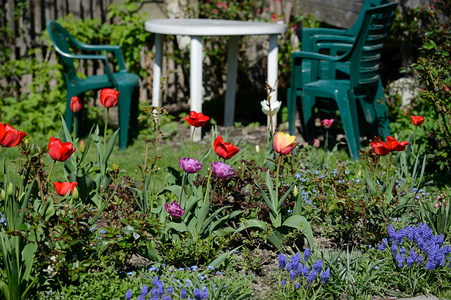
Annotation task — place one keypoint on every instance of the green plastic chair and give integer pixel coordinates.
(126, 83)
(335, 42)
(363, 57)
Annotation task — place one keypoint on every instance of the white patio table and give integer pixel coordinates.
(198, 28)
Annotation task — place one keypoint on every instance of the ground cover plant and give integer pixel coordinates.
(224, 218)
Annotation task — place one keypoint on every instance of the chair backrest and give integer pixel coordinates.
(366, 52)
(61, 41)
(367, 4)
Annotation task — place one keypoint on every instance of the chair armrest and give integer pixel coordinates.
(93, 57)
(333, 48)
(308, 33)
(111, 48)
(314, 56)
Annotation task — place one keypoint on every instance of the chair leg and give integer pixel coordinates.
(126, 92)
(348, 112)
(381, 112)
(308, 103)
(291, 105)
(69, 116)
(375, 111)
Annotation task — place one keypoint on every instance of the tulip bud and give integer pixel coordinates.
(82, 146)
(3, 194)
(10, 189)
(75, 194)
(316, 143)
(295, 191)
(257, 148)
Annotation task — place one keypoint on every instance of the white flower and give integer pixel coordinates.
(272, 109)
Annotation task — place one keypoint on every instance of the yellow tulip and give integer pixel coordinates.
(284, 143)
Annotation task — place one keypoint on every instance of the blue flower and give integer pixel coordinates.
(144, 290)
(400, 258)
(306, 254)
(283, 282)
(295, 261)
(383, 244)
(183, 294)
(306, 270)
(197, 294)
(204, 294)
(420, 259)
(325, 276)
(300, 269)
(170, 290)
(317, 265)
(282, 261)
(312, 276)
(292, 275)
(430, 265)
(128, 295)
(296, 286)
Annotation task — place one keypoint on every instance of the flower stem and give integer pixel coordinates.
(75, 127)
(192, 138)
(414, 139)
(208, 185)
(50, 173)
(183, 186)
(277, 177)
(388, 166)
(326, 142)
(105, 131)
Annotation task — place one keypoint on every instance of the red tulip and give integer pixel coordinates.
(390, 145)
(10, 137)
(75, 104)
(284, 143)
(62, 188)
(108, 97)
(380, 148)
(60, 151)
(196, 119)
(224, 150)
(417, 120)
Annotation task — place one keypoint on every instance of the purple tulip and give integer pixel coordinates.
(222, 170)
(174, 209)
(190, 165)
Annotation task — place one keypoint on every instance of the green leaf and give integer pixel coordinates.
(267, 200)
(276, 239)
(257, 224)
(180, 227)
(217, 261)
(300, 223)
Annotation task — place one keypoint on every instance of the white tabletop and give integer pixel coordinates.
(212, 27)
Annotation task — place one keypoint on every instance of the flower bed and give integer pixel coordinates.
(221, 219)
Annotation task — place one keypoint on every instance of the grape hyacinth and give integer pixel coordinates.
(414, 245)
(294, 274)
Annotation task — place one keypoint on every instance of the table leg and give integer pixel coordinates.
(157, 70)
(196, 80)
(232, 67)
(273, 69)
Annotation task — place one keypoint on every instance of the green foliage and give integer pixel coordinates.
(18, 254)
(37, 106)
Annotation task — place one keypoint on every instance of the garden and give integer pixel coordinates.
(249, 212)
